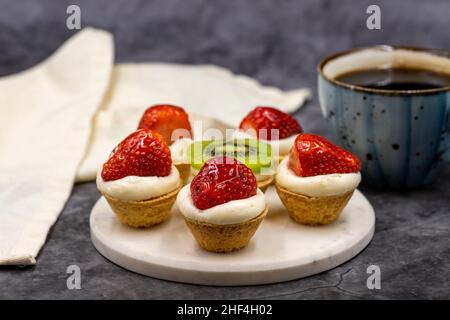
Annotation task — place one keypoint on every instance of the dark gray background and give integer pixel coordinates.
(278, 43)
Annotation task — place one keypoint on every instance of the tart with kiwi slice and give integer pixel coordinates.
(255, 154)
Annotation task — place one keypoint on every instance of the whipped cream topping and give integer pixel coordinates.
(231, 212)
(139, 188)
(179, 151)
(316, 186)
(282, 146)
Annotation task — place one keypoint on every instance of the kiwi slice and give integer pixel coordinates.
(254, 153)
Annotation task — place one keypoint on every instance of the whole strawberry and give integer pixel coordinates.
(143, 153)
(270, 118)
(221, 180)
(313, 155)
(165, 119)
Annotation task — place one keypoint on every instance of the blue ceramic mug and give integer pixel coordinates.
(402, 137)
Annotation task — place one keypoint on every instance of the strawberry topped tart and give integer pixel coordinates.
(222, 206)
(317, 179)
(172, 122)
(273, 125)
(139, 181)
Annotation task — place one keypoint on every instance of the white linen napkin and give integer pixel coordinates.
(45, 119)
(60, 120)
(203, 89)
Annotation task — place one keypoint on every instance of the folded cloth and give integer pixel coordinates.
(45, 120)
(61, 119)
(202, 89)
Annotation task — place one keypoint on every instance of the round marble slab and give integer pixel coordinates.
(281, 249)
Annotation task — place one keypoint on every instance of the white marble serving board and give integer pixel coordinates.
(281, 249)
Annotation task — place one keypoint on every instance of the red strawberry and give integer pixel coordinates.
(313, 155)
(165, 119)
(270, 118)
(143, 153)
(220, 180)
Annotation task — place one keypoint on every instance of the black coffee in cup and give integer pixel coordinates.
(390, 107)
(396, 79)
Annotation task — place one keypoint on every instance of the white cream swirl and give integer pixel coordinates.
(316, 186)
(231, 212)
(139, 188)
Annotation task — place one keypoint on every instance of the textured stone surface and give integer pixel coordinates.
(279, 43)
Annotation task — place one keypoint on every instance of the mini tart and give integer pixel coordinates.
(224, 238)
(222, 206)
(145, 213)
(313, 210)
(139, 180)
(315, 199)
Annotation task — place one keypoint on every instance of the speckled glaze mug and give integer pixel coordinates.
(402, 137)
